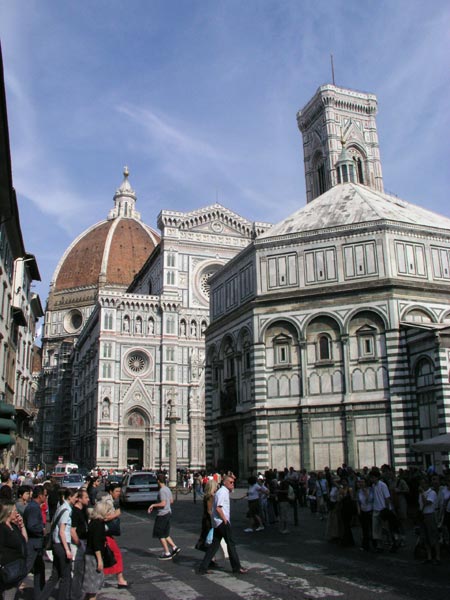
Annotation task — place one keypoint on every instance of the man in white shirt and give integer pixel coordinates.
(222, 529)
(429, 528)
(382, 510)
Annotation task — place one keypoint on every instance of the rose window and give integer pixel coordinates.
(204, 285)
(137, 362)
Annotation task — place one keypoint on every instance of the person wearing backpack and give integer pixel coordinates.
(61, 546)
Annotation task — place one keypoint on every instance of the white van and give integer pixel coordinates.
(62, 469)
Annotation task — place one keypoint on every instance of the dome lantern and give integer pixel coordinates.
(124, 200)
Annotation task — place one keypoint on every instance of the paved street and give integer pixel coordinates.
(299, 565)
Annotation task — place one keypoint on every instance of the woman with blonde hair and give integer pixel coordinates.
(207, 523)
(93, 559)
(13, 538)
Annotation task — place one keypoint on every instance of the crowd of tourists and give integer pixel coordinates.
(382, 504)
(74, 528)
(77, 529)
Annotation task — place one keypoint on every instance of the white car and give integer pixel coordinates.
(140, 486)
(73, 481)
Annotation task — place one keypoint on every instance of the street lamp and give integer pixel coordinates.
(172, 417)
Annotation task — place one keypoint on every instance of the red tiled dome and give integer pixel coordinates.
(111, 252)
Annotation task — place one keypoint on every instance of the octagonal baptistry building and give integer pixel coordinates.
(107, 255)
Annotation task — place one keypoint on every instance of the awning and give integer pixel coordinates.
(439, 443)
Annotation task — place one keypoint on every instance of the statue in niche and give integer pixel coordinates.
(138, 326)
(183, 328)
(105, 410)
(151, 326)
(136, 420)
(126, 324)
(194, 329)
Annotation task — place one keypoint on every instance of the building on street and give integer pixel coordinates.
(329, 339)
(20, 310)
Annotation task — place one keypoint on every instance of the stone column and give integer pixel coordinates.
(172, 418)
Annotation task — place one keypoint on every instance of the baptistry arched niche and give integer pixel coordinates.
(228, 390)
(283, 360)
(418, 315)
(323, 335)
(324, 356)
(367, 351)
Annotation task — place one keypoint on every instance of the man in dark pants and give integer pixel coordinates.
(34, 525)
(62, 552)
(222, 529)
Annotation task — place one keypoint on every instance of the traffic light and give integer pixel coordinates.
(7, 425)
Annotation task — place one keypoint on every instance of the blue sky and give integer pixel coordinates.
(199, 99)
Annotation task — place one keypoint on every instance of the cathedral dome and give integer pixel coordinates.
(110, 252)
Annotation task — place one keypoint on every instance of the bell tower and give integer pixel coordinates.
(333, 118)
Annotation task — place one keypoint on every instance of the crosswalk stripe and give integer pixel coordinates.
(173, 588)
(298, 583)
(241, 587)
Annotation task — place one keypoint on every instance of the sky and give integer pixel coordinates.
(199, 100)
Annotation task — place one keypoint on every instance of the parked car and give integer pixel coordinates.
(113, 478)
(73, 480)
(139, 486)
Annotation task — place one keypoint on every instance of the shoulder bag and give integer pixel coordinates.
(48, 545)
(12, 573)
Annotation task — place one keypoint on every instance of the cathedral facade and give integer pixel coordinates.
(124, 335)
(329, 340)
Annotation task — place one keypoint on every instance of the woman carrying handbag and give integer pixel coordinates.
(94, 560)
(13, 538)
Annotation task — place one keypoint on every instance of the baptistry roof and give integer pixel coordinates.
(110, 252)
(351, 204)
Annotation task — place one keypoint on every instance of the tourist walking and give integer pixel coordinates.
(161, 529)
(95, 543)
(79, 536)
(222, 529)
(62, 552)
(112, 529)
(34, 524)
(255, 491)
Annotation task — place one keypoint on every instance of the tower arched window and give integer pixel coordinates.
(320, 179)
(359, 169)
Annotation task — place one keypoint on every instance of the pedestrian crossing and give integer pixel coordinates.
(264, 582)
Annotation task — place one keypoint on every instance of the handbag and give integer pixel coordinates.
(109, 560)
(113, 527)
(291, 494)
(209, 537)
(12, 573)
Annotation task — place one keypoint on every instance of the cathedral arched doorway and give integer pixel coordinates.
(135, 453)
(137, 438)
